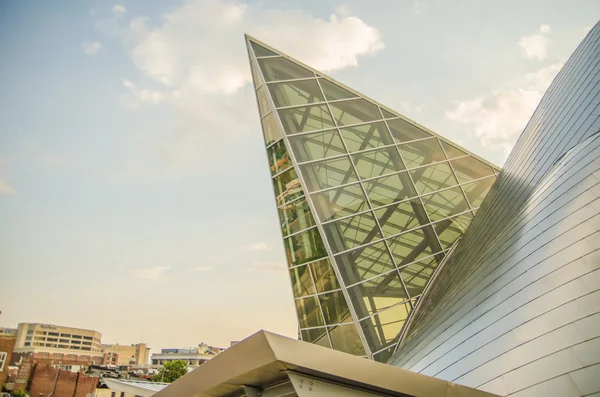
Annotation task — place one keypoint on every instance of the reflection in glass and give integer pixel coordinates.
(416, 275)
(335, 309)
(377, 162)
(469, 168)
(324, 276)
(345, 338)
(383, 328)
(302, 284)
(387, 114)
(449, 230)
(271, 129)
(279, 158)
(384, 355)
(328, 173)
(418, 153)
(309, 313)
(287, 187)
(256, 76)
(354, 111)
(348, 233)
(337, 203)
(378, 294)
(294, 93)
(295, 216)
(333, 91)
(318, 145)
(304, 247)
(366, 136)
(432, 178)
(477, 191)
(305, 119)
(318, 336)
(389, 189)
(451, 150)
(399, 217)
(364, 263)
(414, 245)
(403, 131)
(445, 203)
(263, 102)
(260, 51)
(277, 69)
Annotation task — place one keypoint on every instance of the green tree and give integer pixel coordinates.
(171, 371)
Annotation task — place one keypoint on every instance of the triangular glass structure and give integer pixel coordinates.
(369, 202)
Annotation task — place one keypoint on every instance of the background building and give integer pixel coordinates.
(369, 202)
(8, 338)
(193, 356)
(126, 355)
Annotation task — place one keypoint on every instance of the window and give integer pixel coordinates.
(76, 336)
(88, 338)
(27, 344)
(2, 360)
(53, 333)
(65, 335)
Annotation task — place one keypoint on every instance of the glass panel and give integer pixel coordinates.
(260, 51)
(451, 229)
(328, 173)
(337, 203)
(333, 91)
(366, 136)
(302, 284)
(317, 336)
(354, 111)
(293, 93)
(376, 295)
(345, 338)
(316, 146)
(305, 119)
(399, 217)
(271, 129)
(422, 152)
(389, 189)
(469, 168)
(477, 191)
(287, 187)
(309, 313)
(364, 263)
(347, 233)
(387, 114)
(263, 101)
(324, 276)
(377, 162)
(276, 69)
(452, 151)
(335, 309)
(256, 75)
(432, 178)
(279, 158)
(383, 329)
(445, 203)
(417, 275)
(414, 245)
(295, 216)
(403, 131)
(384, 355)
(304, 247)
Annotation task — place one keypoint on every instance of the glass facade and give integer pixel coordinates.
(368, 202)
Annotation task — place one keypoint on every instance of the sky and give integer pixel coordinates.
(135, 196)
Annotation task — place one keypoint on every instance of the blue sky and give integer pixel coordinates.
(135, 196)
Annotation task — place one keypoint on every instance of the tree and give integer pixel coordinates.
(171, 371)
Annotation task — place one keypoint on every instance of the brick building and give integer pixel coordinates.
(8, 338)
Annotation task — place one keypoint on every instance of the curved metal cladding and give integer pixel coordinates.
(369, 203)
(516, 308)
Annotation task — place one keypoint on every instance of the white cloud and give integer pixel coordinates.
(5, 188)
(91, 47)
(257, 247)
(195, 63)
(151, 273)
(118, 10)
(203, 268)
(418, 7)
(497, 118)
(536, 45)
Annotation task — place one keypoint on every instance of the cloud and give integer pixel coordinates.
(266, 267)
(202, 268)
(194, 63)
(118, 10)
(498, 117)
(91, 47)
(536, 45)
(257, 247)
(418, 7)
(5, 188)
(151, 273)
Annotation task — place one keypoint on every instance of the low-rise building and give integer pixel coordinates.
(8, 338)
(120, 355)
(193, 356)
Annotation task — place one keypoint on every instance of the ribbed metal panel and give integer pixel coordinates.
(516, 310)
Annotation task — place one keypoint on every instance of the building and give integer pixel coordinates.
(510, 305)
(369, 202)
(125, 355)
(193, 356)
(58, 345)
(8, 338)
